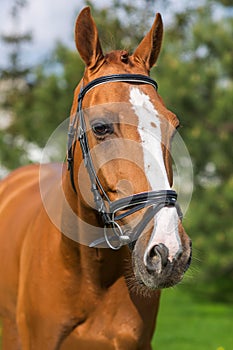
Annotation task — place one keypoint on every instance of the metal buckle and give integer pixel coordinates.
(119, 236)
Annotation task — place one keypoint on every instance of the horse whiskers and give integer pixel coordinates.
(134, 285)
(192, 272)
(195, 266)
(130, 278)
(138, 288)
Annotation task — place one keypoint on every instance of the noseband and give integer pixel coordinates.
(155, 200)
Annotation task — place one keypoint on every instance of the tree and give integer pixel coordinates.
(14, 41)
(13, 86)
(196, 74)
(49, 100)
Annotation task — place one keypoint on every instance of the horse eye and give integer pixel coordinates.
(102, 129)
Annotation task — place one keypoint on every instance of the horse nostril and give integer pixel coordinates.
(157, 257)
(163, 251)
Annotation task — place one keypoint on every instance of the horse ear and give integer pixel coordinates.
(87, 39)
(148, 50)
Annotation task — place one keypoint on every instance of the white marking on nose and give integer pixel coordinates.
(166, 231)
(149, 129)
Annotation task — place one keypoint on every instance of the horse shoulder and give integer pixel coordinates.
(19, 206)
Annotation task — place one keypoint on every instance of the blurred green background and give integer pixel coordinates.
(194, 73)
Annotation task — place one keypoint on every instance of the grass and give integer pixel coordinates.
(186, 324)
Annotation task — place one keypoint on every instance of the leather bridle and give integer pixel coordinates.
(155, 200)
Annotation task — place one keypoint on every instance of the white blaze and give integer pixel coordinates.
(150, 133)
(149, 127)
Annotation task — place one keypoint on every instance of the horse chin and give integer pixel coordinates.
(159, 278)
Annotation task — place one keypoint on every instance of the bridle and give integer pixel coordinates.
(155, 200)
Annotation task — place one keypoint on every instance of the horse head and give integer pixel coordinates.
(123, 157)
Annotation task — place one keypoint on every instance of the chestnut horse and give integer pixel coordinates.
(85, 291)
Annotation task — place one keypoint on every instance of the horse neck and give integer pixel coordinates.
(103, 266)
(99, 266)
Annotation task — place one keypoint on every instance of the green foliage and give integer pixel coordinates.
(48, 101)
(210, 221)
(41, 106)
(195, 75)
(120, 25)
(197, 80)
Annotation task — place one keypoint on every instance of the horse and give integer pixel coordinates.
(93, 278)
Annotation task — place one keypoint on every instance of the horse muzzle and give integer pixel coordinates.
(160, 263)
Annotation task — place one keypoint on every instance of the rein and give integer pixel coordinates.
(156, 200)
